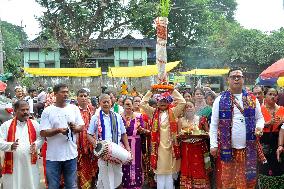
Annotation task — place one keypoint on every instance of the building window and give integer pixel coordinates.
(49, 64)
(137, 63)
(64, 63)
(50, 56)
(123, 63)
(33, 55)
(33, 65)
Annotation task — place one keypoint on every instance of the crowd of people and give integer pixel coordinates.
(176, 139)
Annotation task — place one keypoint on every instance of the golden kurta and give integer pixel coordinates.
(166, 164)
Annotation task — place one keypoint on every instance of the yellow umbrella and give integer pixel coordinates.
(280, 82)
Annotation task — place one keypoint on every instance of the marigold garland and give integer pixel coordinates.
(162, 86)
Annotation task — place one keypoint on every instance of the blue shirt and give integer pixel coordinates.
(93, 127)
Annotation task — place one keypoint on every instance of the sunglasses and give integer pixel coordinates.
(234, 77)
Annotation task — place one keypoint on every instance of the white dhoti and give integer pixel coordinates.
(110, 175)
(165, 181)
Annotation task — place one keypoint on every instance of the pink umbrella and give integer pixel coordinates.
(274, 71)
(3, 86)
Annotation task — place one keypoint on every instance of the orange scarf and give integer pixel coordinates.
(155, 137)
(8, 161)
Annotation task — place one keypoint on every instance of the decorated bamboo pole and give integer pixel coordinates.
(161, 48)
(161, 23)
(162, 36)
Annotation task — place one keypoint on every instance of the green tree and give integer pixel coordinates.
(13, 37)
(232, 44)
(73, 23)
(190, 22)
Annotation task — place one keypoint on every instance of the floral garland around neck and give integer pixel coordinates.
(128, 119)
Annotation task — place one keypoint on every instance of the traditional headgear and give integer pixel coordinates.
(165, 96)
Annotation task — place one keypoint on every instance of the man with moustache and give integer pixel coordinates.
(19, 94)
(235, 122)
(115, 107)
(258, 93)
(109, 126)
(87, 161)
(165, 149)
(60, 124)
(20, 139)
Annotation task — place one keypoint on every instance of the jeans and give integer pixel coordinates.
(54, 170)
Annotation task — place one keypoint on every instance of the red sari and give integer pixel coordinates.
(195, 162)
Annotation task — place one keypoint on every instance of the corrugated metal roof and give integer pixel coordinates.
(40, 43)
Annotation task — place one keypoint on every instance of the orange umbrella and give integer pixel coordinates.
(3, 86)
(274, 71)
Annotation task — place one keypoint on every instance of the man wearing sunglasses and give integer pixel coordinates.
(235, 122)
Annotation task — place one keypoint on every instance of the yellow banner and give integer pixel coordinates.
(70, 72)
(209, 72)
(138, 71)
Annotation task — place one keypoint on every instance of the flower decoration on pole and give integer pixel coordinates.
(161, 23)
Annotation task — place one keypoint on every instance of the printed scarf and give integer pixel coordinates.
(226, 107)
(155, 137)
(84, 147)
(8, 161)
(113, 126)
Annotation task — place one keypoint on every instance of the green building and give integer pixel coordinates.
(106, 53)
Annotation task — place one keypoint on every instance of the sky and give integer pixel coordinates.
(265, 15)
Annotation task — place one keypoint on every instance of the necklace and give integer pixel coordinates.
(127, 119)
(272, 110)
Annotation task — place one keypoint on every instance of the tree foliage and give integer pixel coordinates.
(190, 22)
(232, 44)
(73, 23)
(13, 37)
(202, 33)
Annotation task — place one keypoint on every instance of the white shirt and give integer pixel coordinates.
(120, 110)
(59, 147)
(238, 123)
(41, 97)
(25, 174)
(93, 128)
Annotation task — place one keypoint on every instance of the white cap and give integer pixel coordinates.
(86, 89)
